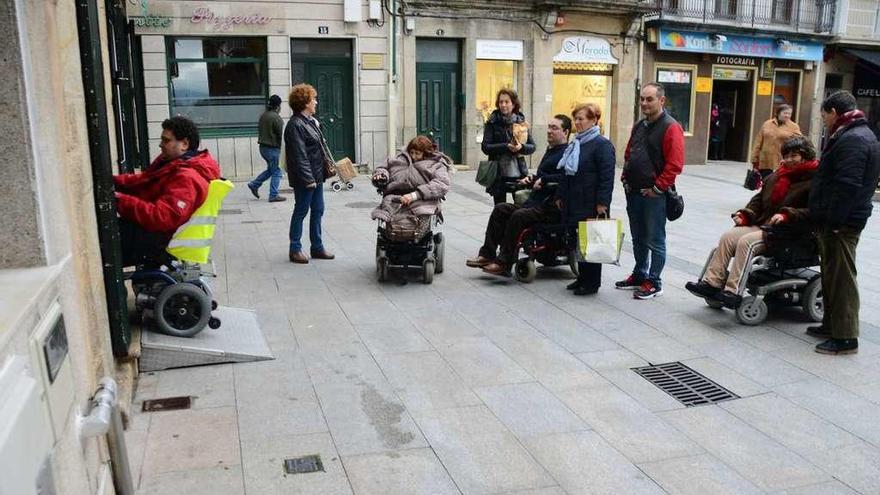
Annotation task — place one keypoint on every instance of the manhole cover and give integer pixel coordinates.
(361, 204)
(684, 384)
(167, 404)
(306, 464)
(230, 211)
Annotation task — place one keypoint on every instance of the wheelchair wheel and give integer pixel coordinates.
(751, 311)
(525, 270)
(428, 268)
(714, 304)
(382, 268)
(349, 185)
(439, 252)
(573, 262)
(811, 300)
(336, 185)
(182, 310)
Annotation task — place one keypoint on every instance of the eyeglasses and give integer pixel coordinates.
(554, 127)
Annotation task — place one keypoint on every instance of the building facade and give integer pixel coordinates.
(218, 62)
(727, 66)
(853, 58)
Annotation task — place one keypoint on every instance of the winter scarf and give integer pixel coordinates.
(572, 155)
(843, 122)
(786, 175)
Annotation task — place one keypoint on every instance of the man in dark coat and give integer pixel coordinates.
(840, 204)
(508, 220)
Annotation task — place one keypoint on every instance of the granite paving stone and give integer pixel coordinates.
(416, 472)
(528, 409)
(698, 475)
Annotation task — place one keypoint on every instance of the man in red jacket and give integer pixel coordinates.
(153, 204)
(654, 157)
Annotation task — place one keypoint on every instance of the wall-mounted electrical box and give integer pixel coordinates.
(51, 364)
(375, 10)
(352, 11)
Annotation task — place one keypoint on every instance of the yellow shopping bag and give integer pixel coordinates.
(600, 240)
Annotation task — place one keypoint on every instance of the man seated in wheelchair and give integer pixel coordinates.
(781, 202)
(412, 185)
(152, 205)
(507, 221)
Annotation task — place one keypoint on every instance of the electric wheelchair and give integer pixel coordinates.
(171, 294)
(785, 274)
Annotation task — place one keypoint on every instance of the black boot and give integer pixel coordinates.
(574, 285)
(585, 291)
(838, 346)
(728, 299)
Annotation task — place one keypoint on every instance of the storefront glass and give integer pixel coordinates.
(220, 83)
(570, 90)
(786, 86)
(493, 75)
(679, 85)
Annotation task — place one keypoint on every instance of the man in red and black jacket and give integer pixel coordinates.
(153, 204)
(654, 156)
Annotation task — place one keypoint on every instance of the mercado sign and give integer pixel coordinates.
(750, 46)
(226, 22)
(585, 49)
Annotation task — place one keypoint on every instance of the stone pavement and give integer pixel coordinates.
(481, 385)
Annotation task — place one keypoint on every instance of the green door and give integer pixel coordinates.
(437, 109)
(332, 78)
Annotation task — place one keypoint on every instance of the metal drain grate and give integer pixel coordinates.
(167, 404)
(230, 211)
(306, 464)
(684, 384)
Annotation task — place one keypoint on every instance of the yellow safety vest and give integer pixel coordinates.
(192, 240)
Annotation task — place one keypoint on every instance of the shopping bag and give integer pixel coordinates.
(753, 181)
(282, 158)
(487, 172)
(600, 240)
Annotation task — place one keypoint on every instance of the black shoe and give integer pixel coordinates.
(254, 191)
(702, 289)
(277, 199)
(585, 291)
(728, 299)
(574, 285)
(838, 346)
(819, 331)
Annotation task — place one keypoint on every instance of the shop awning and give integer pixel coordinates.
(870, 56)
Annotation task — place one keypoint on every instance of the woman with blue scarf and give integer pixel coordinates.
(586, 187)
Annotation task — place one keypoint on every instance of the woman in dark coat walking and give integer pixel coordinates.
(499, 144)
(587, 184)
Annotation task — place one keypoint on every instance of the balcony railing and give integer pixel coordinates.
(802, 16)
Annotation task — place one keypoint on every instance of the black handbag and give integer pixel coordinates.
(754, 180)
(674, 204)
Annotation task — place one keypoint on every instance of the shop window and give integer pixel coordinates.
(577, 83)
(785, 90)
(221, 83)
(679, 86)
(493, 75)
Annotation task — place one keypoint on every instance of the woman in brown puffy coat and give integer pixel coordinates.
(767, 154)
(413, 182)
(783, 199)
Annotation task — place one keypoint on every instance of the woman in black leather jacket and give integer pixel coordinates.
(307, 153)
(499, 144)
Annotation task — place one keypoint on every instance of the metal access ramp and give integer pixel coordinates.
(238, 340)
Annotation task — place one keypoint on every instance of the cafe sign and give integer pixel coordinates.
(734, 45)
(585, 49)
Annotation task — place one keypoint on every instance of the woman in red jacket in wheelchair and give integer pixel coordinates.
(783, 199)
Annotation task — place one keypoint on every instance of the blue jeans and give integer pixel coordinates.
(271, 156)
(307, 200)
(647, 224)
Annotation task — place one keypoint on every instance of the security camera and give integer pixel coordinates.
(783, 42)
(719, 38)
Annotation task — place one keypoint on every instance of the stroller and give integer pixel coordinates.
(784, 275)
(411, 241)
